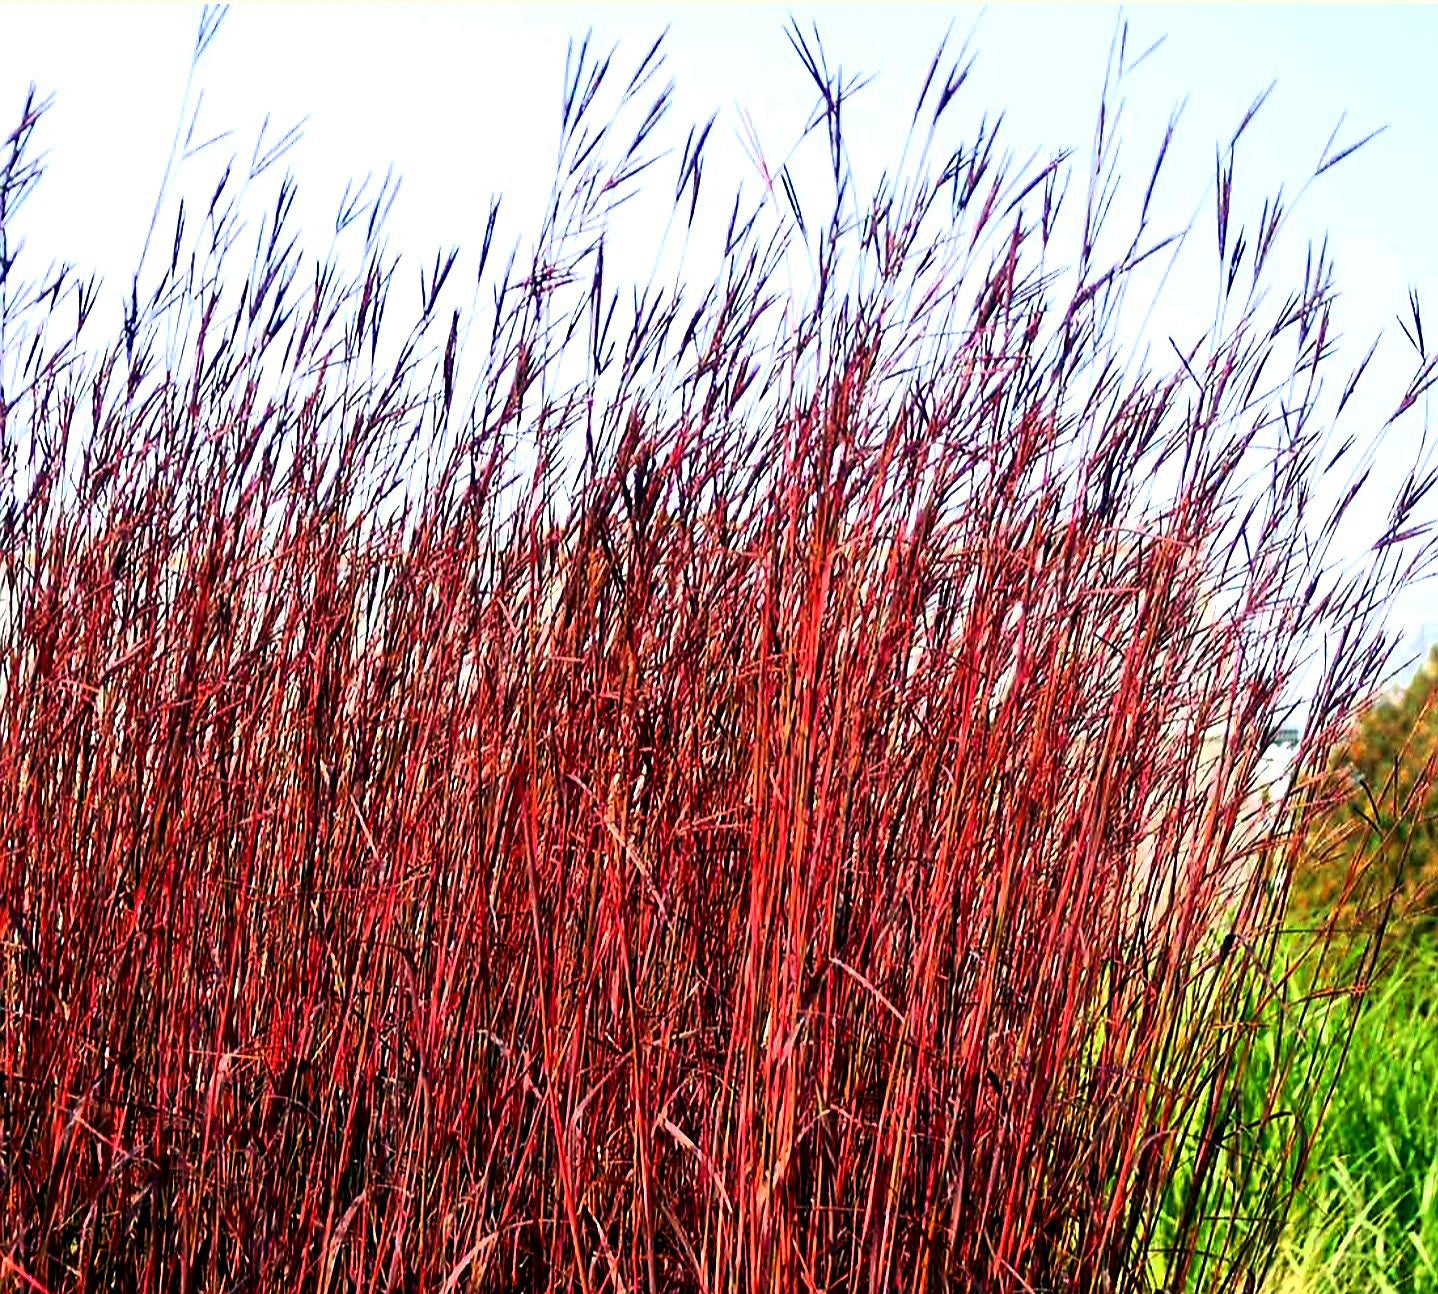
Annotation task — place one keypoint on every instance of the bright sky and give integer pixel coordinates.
(464, 101)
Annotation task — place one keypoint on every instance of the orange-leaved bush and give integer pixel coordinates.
(1375, 865)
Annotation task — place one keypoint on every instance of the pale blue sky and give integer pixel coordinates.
(464, 101)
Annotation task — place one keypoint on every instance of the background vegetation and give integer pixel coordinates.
(1368, 1219)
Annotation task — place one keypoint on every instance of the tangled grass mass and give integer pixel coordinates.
(727, 784)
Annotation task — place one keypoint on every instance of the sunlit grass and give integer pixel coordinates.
(759, 791)
(1367, 1218)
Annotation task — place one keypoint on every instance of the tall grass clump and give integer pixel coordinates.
(731, 783)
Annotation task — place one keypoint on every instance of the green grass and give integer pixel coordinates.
(1368, 1217)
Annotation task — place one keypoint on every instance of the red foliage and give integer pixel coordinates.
(758, 802)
